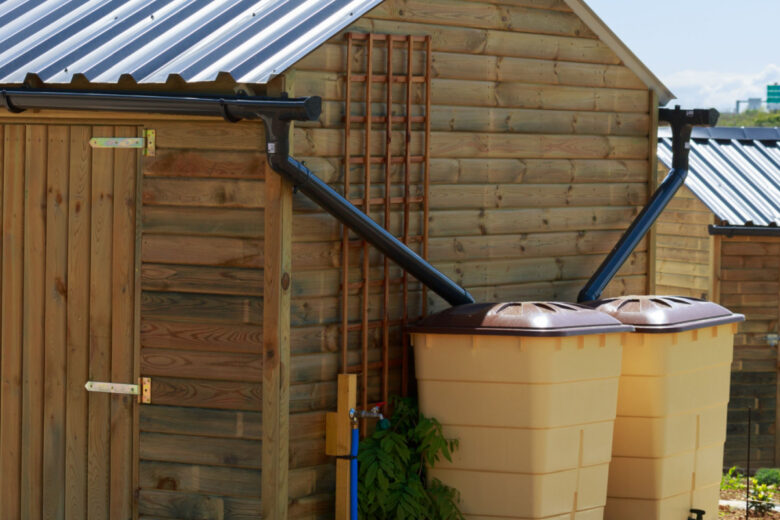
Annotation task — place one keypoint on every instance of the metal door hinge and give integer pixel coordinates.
(148, 143)
(146, 390)
(143, 390)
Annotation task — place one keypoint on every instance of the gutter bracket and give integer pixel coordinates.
(226, 115)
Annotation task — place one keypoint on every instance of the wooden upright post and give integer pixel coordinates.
(652, 235)
(276, 344)
(338, 440)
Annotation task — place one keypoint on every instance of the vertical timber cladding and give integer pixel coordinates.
(68, 299)
(201, 321)
(750, 284)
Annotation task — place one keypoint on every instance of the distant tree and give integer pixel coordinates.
(750, 118)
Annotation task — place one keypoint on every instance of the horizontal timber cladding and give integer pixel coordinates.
(539, 159)
(201, 323)
(684, 249)
(750, 284)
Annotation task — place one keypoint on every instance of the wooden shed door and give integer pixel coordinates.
(68, 316)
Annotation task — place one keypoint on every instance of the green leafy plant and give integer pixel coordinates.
(392, 481)
(768, 476)
(760, 499)
(732, 480)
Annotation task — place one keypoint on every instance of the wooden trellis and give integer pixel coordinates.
(413, 195)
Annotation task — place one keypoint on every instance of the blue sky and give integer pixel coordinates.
(708, 52)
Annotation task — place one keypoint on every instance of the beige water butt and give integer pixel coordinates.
(667, 451)
(530, 391)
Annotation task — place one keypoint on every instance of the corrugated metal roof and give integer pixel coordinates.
(150, 41)
(734, 171)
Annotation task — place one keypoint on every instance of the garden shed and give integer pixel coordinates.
(508, 142)
(719, 239)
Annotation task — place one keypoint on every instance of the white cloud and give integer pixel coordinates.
(700, 89)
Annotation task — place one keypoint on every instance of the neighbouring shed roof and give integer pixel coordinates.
(150, 41)
(251, 41)
(735, 172)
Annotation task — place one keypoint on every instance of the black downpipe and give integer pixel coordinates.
(682, 122)
(276, 113)
(277, 133)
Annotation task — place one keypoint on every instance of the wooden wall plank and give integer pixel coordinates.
(125, 171)
(174, 249)
(222, 193)
(216, 222)
(536, 195)
(504, 170)
(57, 210)
(239, 453)
(210, 135)
(206, 163)
(12, 323)
(209, 280)
(206, 394)
(100, 335)
(202, 422)
(202, 308)
(79, 233)
(329, 142)
(201, 336)
(199, 479)
(202, 365)
(34, 320)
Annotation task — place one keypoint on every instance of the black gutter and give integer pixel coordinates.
(276, 113)
(682, 123)
(231, 108)
(755, 231)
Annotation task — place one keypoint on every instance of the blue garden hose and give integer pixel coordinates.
(353, 473)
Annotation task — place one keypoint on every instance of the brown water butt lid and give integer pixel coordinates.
(666, 313)
(520, 319)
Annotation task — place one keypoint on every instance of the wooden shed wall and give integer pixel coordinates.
(684, 255)
(201, 321)
(200, 334)
(749, 280)
(540, 156)
(203, 248)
